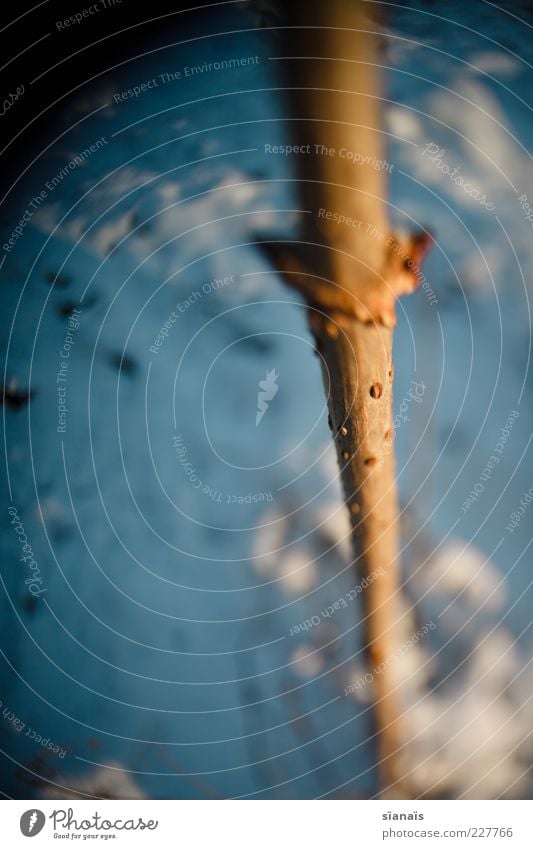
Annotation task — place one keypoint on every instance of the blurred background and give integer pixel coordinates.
(183, 624)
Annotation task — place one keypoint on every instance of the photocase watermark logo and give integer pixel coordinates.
(65, 825)
(436, 155)
(369, 677)
(492, 462)
(32, 822)
(267, 390)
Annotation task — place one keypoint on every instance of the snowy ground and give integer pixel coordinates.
(178, 543)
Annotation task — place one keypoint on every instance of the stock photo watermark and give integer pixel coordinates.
(95, 822)
(414, 394)
(391, 242)
(436, 156)
(186, 72)
(268, 389)
(341, 603)
(34, 582)
(50, 185)
(402, 251)
(211, 492)
(30, 733)
(339, 218)
(324, 150)
(89, 11)
(184, 305)
(492, 462)
(517, 515)
(73, 324)
(526, 208)
(9, 101)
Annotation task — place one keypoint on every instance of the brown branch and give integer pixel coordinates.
(350, 277)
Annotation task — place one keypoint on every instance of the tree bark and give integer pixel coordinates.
(350, 271)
